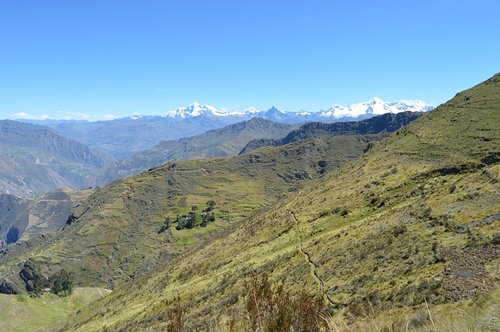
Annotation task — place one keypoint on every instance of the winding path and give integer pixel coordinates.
(312, 265)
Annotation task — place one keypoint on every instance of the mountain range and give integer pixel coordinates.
(123, 137)
(375, 106)
(408, 228)
(386, 224)
(244, 136)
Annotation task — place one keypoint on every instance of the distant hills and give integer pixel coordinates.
(382, 124)
(243, 137)
(123, 137)
(227, 141)
(35, 159)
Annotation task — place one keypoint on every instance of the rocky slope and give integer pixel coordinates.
(22, 219)
(35, 160)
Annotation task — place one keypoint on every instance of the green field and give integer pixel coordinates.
(46, 313)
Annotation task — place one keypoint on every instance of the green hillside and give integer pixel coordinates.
(121, 231)
(24, 313)
(412, 222)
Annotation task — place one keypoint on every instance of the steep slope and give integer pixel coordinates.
(35, 159)
(412, 220)
(386, 123)
(214, 143)
(119, 233)
(22, 219)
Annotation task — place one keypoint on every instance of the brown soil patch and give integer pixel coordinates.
(465, 271)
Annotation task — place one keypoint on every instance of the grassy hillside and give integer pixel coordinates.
(118, 234)
(24, 313)
(227, 141)
(413, 221)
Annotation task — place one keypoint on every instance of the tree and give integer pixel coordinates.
(181, 224)
(191, 220)
(61, 283)
(166, 225)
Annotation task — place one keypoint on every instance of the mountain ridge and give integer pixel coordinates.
(35, 159)
(223, 142)
(380, 124)
(123, 137)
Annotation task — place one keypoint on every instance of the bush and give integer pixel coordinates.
(175, 317)
(275, 309)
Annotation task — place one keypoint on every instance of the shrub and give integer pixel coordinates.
(176, 317)
(275, 309)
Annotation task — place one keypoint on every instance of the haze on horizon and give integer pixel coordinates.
(88, 59)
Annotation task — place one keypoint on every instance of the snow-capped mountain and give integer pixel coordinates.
(195, 109)
(375, 106)
(122, 137)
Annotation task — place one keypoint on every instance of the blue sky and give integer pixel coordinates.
(97, 58)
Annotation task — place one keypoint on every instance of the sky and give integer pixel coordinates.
(100, 59)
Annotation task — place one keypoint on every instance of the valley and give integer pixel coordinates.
(371, 225)
(374, 236)
(249, 166)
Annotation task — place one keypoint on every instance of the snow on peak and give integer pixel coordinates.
(195, 109)
(135, 116)
(251, 111)
(376, 106)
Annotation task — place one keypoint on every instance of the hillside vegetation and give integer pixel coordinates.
(24, 313)
(122, 231)
(413, 222)
(381, 124)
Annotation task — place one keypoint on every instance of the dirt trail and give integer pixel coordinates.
(312, 265)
